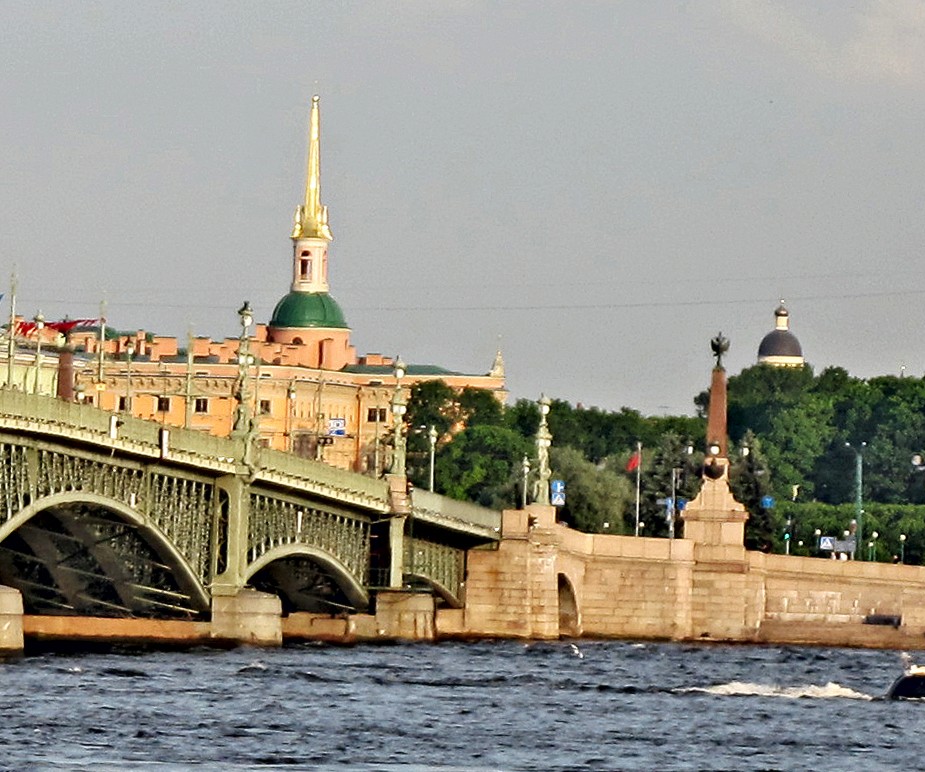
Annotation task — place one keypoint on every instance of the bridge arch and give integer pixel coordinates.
(569, 613)
(307, 579)
(441, 590)
(97, 556)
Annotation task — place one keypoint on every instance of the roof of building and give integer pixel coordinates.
(390, 370)
(308, 309)
(779, 343)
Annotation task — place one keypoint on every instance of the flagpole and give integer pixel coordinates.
(11, 343)
(638, 473)
(99, 374)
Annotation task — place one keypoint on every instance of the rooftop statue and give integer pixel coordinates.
(720, 346)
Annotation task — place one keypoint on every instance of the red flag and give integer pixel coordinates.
(633, 463)
(66, 325)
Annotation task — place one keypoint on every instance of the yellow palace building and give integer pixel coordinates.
(305, 388)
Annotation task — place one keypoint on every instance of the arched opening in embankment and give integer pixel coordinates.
(569, 615)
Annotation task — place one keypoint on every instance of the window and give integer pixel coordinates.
(123, 404)
(163, 404)
(305, 265)
(264, 407)
(376, 415)
(201, 405)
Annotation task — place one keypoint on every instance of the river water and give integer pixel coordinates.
(454, 706)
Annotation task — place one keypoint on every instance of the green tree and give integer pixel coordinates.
(436, 404)
(482, 464)
(750, 482)
(795, 438)
(479, 406)
(596, 497)
(669, 459)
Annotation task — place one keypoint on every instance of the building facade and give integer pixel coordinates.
(301, 384)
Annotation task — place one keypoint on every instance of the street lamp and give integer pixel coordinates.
(432, 436)
(242, 419)
(525, 467)
(399, 408)
(129, 353)
(377, 414)
(871, 547)
(858, 486)
(39, 326)
(543, 443)
(673, 512)
(902, 548)
(290, 409)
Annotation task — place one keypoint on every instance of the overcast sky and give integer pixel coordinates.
(601, 186)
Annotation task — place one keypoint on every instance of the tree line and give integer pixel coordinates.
(794, 437)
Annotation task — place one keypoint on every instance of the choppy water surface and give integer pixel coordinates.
(449, 707)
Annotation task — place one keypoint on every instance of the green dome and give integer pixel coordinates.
(308, 309)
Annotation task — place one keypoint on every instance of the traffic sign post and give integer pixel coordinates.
(557, 493)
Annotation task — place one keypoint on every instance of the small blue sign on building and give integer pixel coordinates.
(557, 493)
(337, 427)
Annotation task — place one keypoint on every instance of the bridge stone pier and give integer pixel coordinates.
(113, 527)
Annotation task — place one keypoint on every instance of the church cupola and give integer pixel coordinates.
(780, 347)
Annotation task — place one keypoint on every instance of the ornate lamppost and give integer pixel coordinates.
(399, 408)
(39, 326)
(290, 408)
(129, 353)
(902, 548)
(432, 436)
(543, 443)
(858, 492)
(525, 467)
(242, 417)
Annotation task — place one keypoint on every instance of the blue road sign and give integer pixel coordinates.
(767, 502)
(557, 493)
(827, 543)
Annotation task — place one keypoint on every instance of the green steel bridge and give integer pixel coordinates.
(107, 515)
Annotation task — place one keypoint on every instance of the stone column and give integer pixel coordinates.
(246, 616)
(240, 613)
(406, 616)
(11, 639)
(66, 374)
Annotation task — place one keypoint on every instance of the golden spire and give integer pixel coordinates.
(311, 219)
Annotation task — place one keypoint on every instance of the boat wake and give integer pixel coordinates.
(810, 691)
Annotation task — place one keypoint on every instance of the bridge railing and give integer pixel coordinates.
(318, 472)
(22, 407)
(432, 506)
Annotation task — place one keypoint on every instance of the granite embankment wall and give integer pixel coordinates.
(545, 580)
